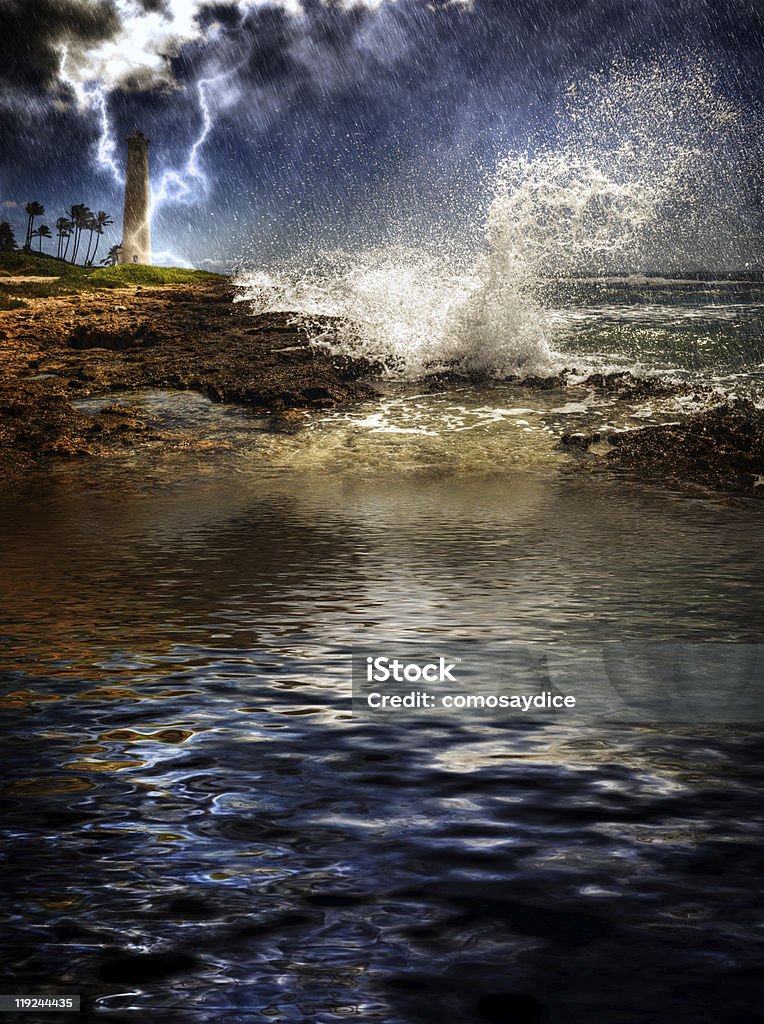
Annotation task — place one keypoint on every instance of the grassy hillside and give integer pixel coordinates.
(65, 279)
(37, 265)
(118, 277)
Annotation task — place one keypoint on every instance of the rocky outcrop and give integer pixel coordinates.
(722, 448)
(180, 337)
(38, 422)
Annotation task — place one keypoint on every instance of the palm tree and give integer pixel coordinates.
(112, 258)
(80, 216)
(90, 225)
(7, 237)
(102, 220)
(63, 230)
(34, 209)
(71, 217)
(42, 232)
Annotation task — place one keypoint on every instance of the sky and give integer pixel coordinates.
(301, 124)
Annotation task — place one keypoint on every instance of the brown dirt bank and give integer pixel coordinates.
(184, 337)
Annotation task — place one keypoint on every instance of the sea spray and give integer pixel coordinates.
(627, 185)
(410, 310)
(645, 173)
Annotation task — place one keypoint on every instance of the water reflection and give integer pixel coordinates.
(195, 824)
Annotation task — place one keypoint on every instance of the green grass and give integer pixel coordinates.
(114, 277)
(72, 279)
(37, 265)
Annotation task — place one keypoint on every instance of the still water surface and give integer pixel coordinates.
(196, 825)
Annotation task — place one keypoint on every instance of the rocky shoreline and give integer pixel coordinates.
(719, 447)
(195, 337)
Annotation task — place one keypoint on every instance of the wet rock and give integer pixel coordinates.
(581, 442)
(442, 380)
(627, 386)
(86, 337)
(318, 396)
(721, 448)
(37, 422)
(198, 339)
(558, 380)
(67, 447)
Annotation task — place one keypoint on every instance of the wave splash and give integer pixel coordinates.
(628, 184)
(411, 311)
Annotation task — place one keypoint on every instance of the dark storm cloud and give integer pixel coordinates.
(310, 111)
(34, 103)
(33, 37)
(152, 6)
(399, 52)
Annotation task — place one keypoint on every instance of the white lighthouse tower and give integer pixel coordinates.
(136, 223)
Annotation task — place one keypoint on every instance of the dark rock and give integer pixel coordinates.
(86, 337)
(197, 341)
(626, 385)
(544, 383)
(317, 395)
(721, 448)
(580, 441)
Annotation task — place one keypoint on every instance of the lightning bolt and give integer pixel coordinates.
(93, 76)
(184, 186)
(94, 96)
(106, 146)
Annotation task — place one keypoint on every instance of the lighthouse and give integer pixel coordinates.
(136, 223)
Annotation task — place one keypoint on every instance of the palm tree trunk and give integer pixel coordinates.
(96, 246)
(90, 242)
(30, 221)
